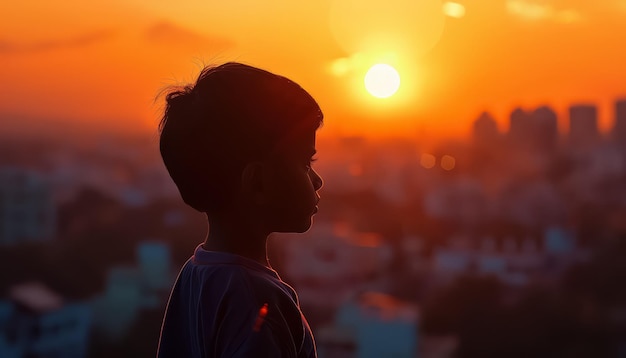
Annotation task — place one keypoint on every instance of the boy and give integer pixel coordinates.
(239, 145)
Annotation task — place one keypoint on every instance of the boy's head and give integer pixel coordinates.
(242, 133)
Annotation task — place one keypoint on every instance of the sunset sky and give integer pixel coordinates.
(103, 62)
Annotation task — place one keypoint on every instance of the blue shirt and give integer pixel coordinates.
(225, 305)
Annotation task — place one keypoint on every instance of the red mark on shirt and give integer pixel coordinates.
(260, 318)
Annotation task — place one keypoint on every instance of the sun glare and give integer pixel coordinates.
(382, 80)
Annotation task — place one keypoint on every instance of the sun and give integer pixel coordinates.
(382, 80)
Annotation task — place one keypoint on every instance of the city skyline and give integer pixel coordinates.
(105, 67)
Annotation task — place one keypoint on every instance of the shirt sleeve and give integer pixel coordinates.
(247, 324)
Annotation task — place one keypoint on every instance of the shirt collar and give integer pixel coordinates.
(206, 257)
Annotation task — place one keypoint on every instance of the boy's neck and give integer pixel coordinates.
(237, 237)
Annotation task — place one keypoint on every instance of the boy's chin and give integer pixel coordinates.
(299, 227)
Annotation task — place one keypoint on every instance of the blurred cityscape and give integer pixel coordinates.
(511, 244)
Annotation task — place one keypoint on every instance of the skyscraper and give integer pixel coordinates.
(519, 128)
(583, 125)
(27, 211)
(545, 130)
(534, 131)
(485, 129)
(619, 126)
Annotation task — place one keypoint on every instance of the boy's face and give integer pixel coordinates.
(292, 185)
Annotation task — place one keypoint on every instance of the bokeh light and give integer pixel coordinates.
(428, 161)
(448, 162)
(413, 27)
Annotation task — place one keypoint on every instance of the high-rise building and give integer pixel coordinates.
(37, 322)
(520, 131)
(132, 289)
(372, 324)
(27, 211)
(155, 265)
(619, 126)
(485, 129)
(536, 131)
(545, 129)
(583, 125)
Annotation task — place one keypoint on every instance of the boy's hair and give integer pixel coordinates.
(232, 115)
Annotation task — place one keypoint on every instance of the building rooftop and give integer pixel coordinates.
(35, 297)
(387, 307)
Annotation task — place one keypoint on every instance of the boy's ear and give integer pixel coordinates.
(252, 180)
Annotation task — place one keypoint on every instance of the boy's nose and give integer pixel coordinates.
(317, 180)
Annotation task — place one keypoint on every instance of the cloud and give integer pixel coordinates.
(11, 47)
(167, 33)
(453, 9)
(358, 61)
(542, 12)
(343, 65)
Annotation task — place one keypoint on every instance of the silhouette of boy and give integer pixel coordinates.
(239, 144)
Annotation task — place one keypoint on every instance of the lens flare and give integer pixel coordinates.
(408, 26)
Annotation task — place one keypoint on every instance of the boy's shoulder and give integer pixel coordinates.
(241, 306)
(234, 275)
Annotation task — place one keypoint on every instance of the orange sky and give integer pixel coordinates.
(103, 62)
